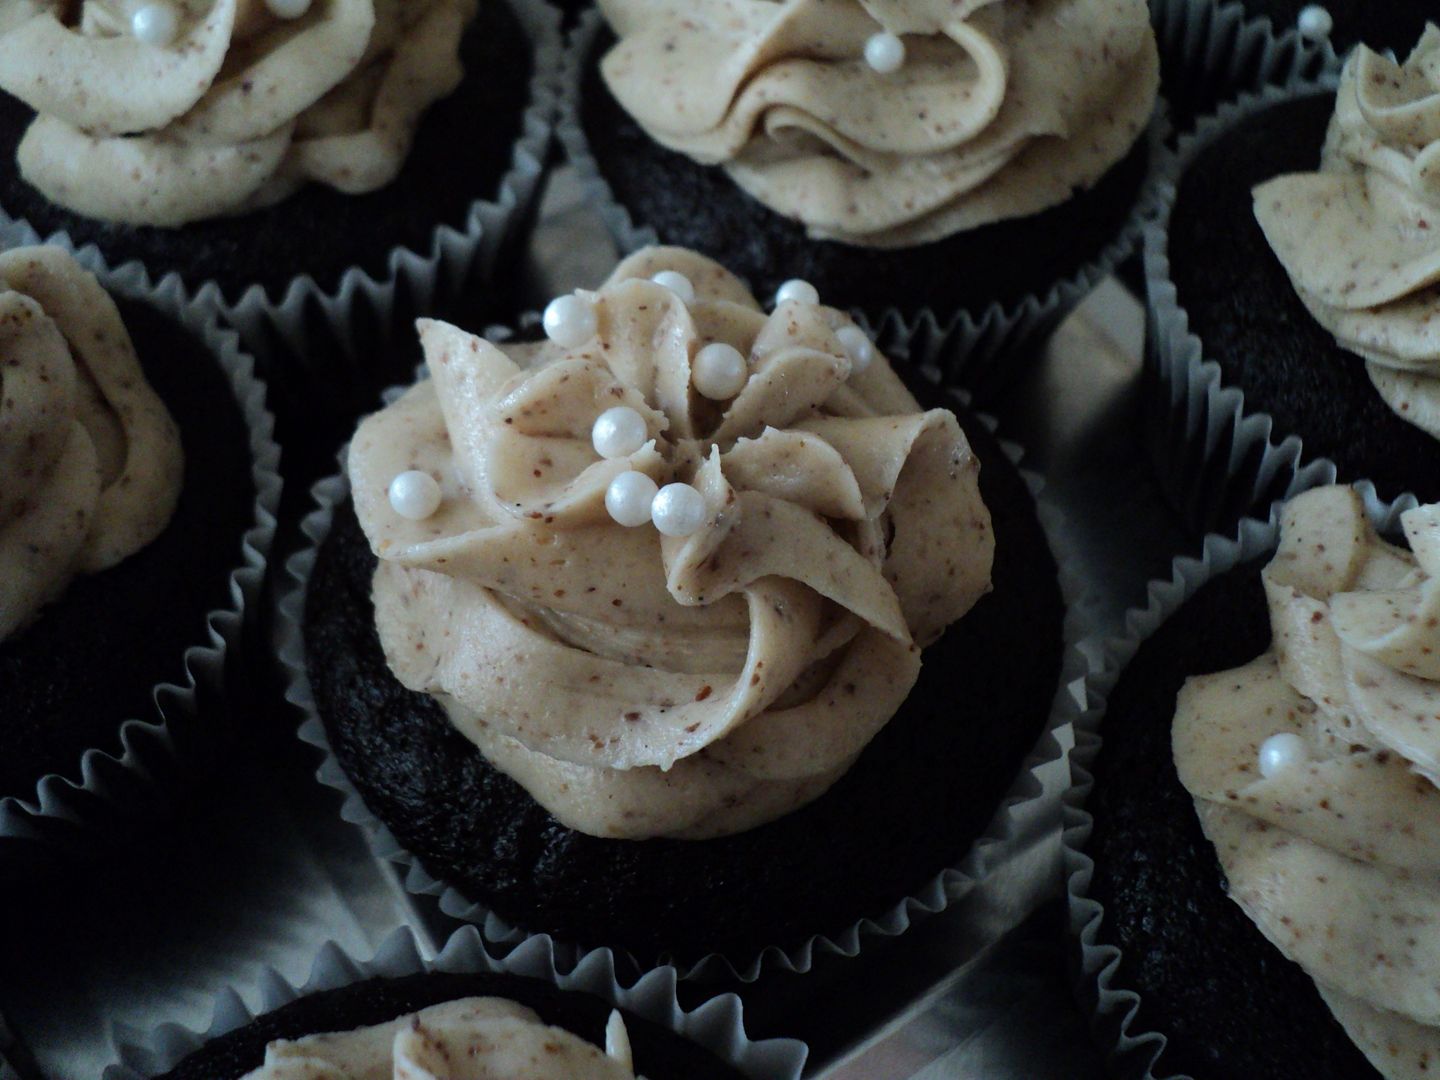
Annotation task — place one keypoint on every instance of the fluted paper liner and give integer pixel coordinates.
(86, 795)
(718, 1025)
(1110, 1007)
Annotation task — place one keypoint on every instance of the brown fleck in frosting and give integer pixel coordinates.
(643, 685)
(90, 460)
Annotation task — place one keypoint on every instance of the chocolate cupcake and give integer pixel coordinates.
(482, 1010)
(141, 470)
(316, 172)
(1314, 368)
(702, 842)
(1201, 949)
(879, 159)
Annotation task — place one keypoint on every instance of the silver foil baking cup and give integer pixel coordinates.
(1110, 1006)
(985, 350)
(718, 1025)
(307, 320)
(1211, 51)
(68, 806)
(1025, 820)
(1214, 459)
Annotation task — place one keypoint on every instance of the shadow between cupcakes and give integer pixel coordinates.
(749, 869)
(100, 695)
(1176, 980)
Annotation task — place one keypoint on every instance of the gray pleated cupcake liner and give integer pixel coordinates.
(718, 1025)
(1094, 965)
(984, 350)
(68, 808)
(1214, 458)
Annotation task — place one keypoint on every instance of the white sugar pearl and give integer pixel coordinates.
(155, 23)
(885, 53)
(1314, 23)
(414, 495)
(677, 283)
(678, 510)
(288, 9)
(628, 498)
(857, 346)
(570, 321)
(795, 289)
(1280, 752)
(618, 432)
(719, 371)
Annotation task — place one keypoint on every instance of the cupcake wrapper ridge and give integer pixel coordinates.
(718, 1025)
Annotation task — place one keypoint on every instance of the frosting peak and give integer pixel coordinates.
(239, 110)
(1000, 108)
(1360, 238)
(641, 684)
(90, 458)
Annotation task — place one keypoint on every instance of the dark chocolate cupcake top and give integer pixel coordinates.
(890, 125)
(165, 113)
(686, 660)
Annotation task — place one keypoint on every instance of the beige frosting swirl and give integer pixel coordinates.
(477, 1038)
(1002, 107)
(1360, 239)
(640, 685)
(90, 461)
(1337, 858)
(239, 111)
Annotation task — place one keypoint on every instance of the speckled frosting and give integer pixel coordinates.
(90, 460)
(640, 685)
(241, 109)
(469, 1039)
(1360, 238)
(1001, 109)
(1336, 858)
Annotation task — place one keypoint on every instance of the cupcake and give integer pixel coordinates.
(314, 170)
(616, 623)
(1252, 879)
(1305, 288)
(400, 1016)
(881, 154)
(139, 468)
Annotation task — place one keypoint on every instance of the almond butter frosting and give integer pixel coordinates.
(239, 110)
(477, 1038)
(1000, 108)
(638, 684)
(1335, 852)
(1360, 238)
(90, 460)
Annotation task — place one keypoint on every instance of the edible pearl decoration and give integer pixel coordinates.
(796, 289)
(618, 432)
(678, 510)
(414, 495)
(885, 53)
(570, 321)
(1280, 752)
(288, 9)
(719, 371)
(629, 497)
(677, 283)
(1314, 23)
(155, 23)
(857, 346)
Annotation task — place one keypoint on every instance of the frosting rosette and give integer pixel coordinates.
(90, 458)
(640, 684)
(1360, 238)
(469, 1039)
(1314, 771)
(963, 114)
(234, 110)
